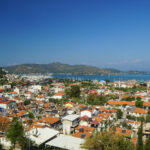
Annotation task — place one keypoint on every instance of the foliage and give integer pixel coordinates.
(125, 125)
(134, 88)
(3, 79)
(131, 117)
(15, 133)
(129, 98)
(27, 102)
(140, 138)
(1, 147)
(141, 118)
(95, 99)
(75, 91)
(119, 114)
(107, 141)
(31, 116)
(148, 118)
(139, 103)
(147, 144)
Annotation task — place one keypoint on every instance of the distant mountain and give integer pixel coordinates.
(135, 72)
(59, 68)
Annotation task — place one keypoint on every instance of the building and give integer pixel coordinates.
(69, 123)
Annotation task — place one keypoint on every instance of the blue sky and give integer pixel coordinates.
(103, 33)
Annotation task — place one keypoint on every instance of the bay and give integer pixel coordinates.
(120, 77)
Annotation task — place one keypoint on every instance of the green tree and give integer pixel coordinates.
(1, 147)
(15, 133)
(119, 114)
(107, 141)
(139, 145)
(95, 99)
(147, 144)
(26, 102)
(148, 118)
(31, 116)
(75, 91)
(139, 103)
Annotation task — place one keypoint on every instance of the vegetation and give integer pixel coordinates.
(59, 68)
(95, 99)
(134, 88)
(15, 134)
(129, 98)
(131, 117)
(139, 103)
(74, 92)
(119, 114)
(27, 102)
(125, 125)
(31, 116)
(147, 144)
(3, 79)
(148, 118)
(108, 141)
(140, 138)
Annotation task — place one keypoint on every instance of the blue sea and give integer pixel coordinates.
(120, 77)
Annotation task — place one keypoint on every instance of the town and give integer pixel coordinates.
(63, 113)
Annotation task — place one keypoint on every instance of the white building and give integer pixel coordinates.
(69, 123)
(66, 142)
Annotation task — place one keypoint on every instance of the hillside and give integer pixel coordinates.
(59, 68)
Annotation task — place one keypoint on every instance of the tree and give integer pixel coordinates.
(147, 145)
(27, 102)
(107, 141)
(75, 91)
(119, 114)
(31, 116)
(140, 138)
(139, 103)
(95, 99)
(1, 147)
(148, 118)
(15, 133)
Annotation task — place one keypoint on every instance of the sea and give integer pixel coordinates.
(112, 78)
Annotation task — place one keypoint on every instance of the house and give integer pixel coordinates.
(41, 135)
(66, 142)
(59, 95)
(49, 121)
(137, 112)
(82, 135)
(69, 123)
(87, 113)
(125, 132)
(7, 104)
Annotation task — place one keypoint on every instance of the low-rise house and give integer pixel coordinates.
(125, 132)
(49, 121)
(82, 135)
(41, 135)
(59, 95)
(66, 142)
(7, 104)
(87, 113)
(134, 124)
(137, 112)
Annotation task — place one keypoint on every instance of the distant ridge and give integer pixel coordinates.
(57, 68)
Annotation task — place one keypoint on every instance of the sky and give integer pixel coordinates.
(102, 33)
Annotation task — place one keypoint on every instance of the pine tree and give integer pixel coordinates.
(15, 133)
(147, 145)
(140, 138)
